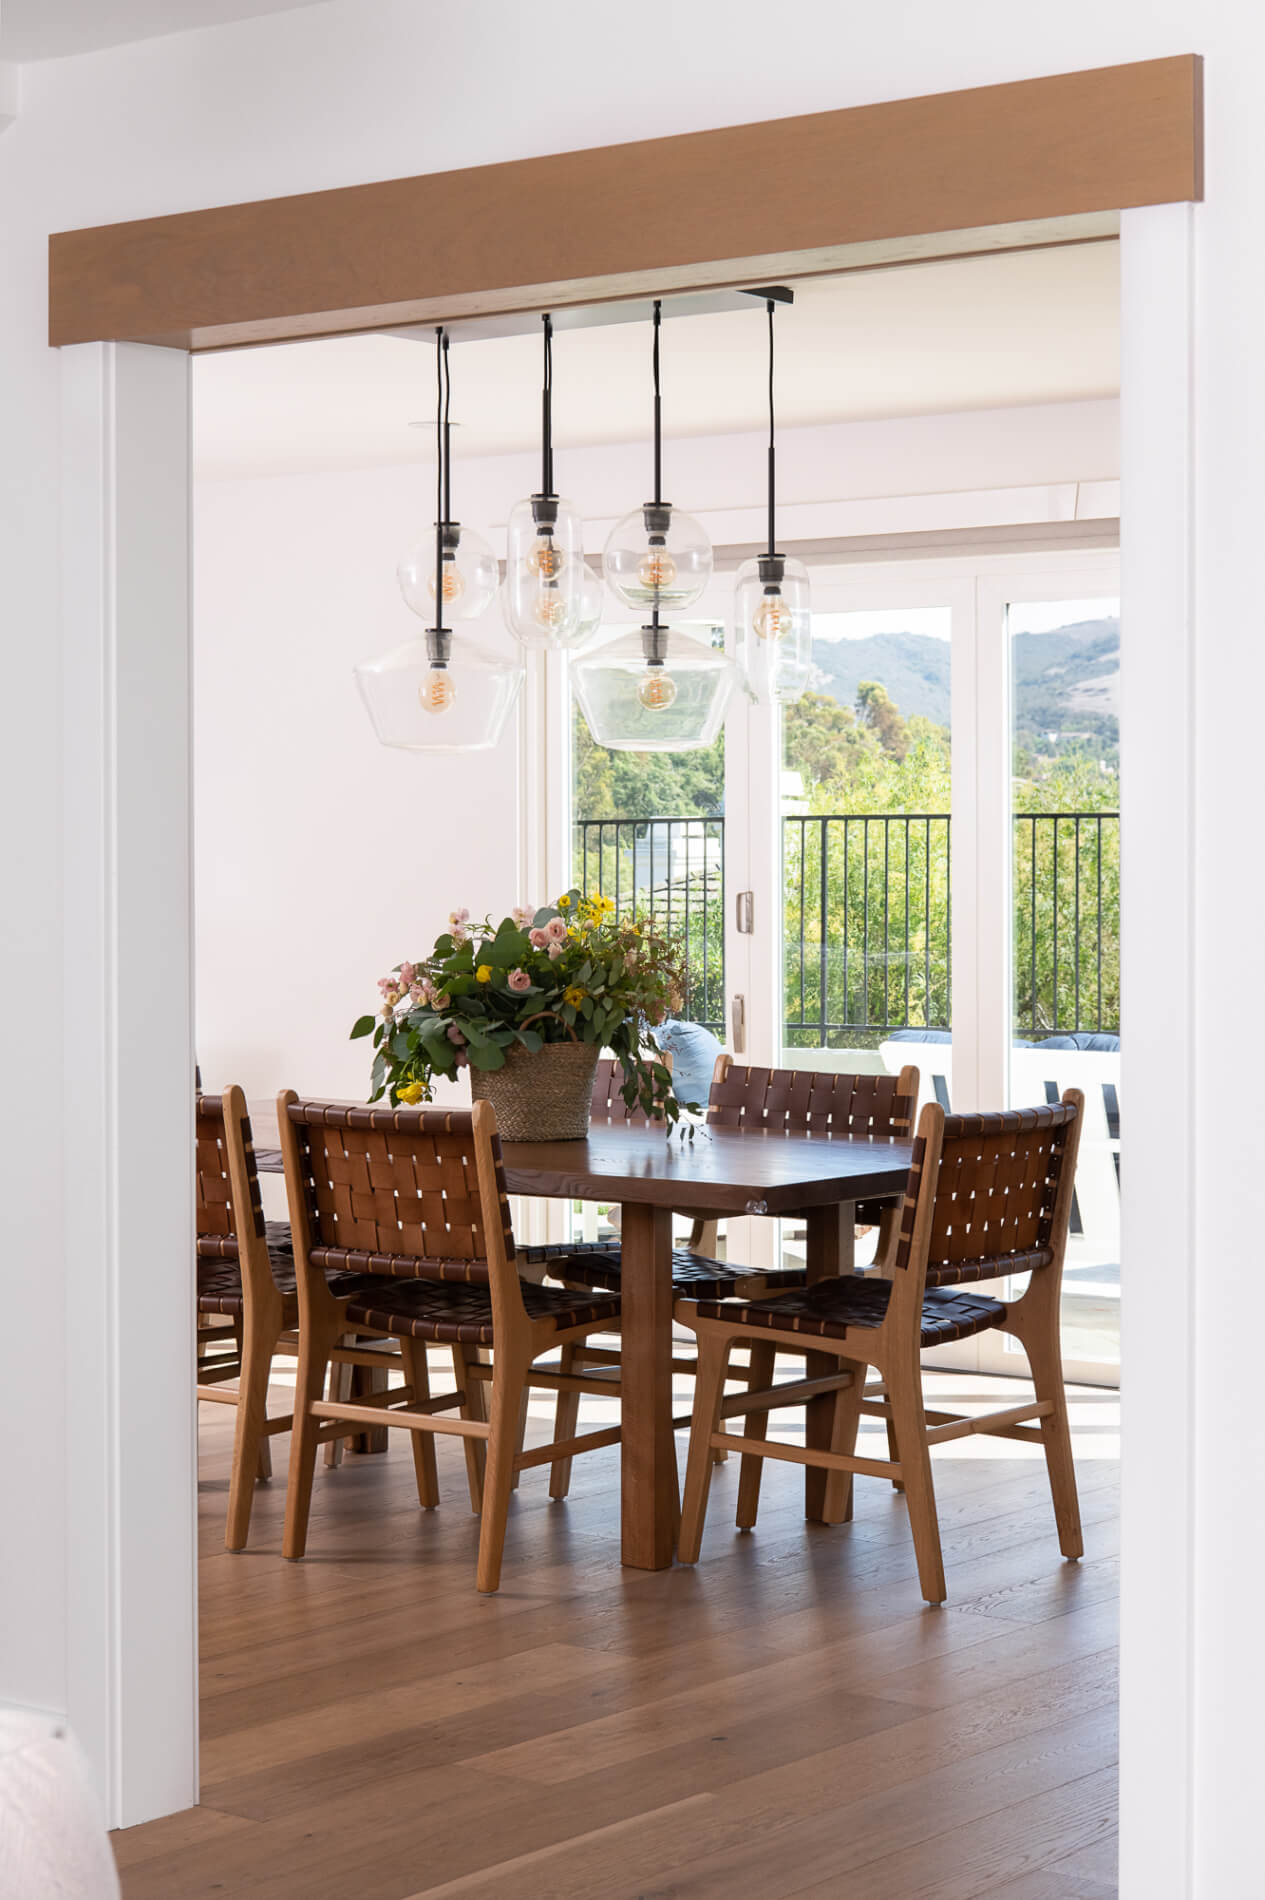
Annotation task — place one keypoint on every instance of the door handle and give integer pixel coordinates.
(738, 1024)
(744, 913)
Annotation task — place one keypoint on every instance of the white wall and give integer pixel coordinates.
(340, 94)
(323, 857)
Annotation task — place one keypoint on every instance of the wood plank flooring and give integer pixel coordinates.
(786, 1721)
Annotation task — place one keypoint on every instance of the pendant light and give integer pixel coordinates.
(546, 604)
(655, 689)
(772, 606)
(471, 574)
(658, 556)
(427, 696)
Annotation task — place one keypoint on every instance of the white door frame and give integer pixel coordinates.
(129, 1204)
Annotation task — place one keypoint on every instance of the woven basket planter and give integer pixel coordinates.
(542, 1097)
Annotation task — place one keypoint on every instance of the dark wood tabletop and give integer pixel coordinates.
(722, 1170)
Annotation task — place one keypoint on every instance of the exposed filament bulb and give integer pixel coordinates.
(657, 690)
(436, 692)
(454, 582)
(546, 559)
(773, 618)
(549, 609)
(656, 569)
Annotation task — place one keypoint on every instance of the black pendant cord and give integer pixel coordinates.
(658, 408)
(447, 433)
(440, 479)
(771, 307)
(546, 413)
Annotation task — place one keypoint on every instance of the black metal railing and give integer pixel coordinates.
(867, 940)
(1066, 894)
(673, 868)
(866, 915)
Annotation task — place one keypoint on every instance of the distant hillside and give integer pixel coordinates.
(1065, 681)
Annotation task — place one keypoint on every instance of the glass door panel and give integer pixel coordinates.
(865, 845)
(1064, 665)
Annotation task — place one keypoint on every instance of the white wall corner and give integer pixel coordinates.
(10, 92)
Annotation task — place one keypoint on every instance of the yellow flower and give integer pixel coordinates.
(575, 996)
(564, 903)
(411, 1092)
(484, 973)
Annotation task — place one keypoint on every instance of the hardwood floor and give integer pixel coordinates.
(786, 1721)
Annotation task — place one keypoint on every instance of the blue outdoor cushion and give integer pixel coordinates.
(694, 1050)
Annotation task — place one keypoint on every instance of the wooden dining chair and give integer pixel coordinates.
(246, 1276)
(411, 1204)
(989, 1196)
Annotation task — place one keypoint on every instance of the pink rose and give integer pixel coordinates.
(556, 930)
(455, 1035)
(537, 939)
(407, 973)
(386, 983)
(519, 980)
(556, 950)
(416, 992)
(463, 1060)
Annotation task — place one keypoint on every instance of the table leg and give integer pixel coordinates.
(831, 1251)
(650, 1503)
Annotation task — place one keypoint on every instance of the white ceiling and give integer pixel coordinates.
(977, 333)
(52, 29)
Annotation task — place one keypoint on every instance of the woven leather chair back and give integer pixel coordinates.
(396, 1191)
(608, 1104)
(217, 1218)
(1002, 1191)
(801, 1101)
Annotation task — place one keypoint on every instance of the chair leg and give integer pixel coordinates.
(474, 1406)
(508, 1387)
(256, 1342)
(840, 1490)
(566, 1419)
(417, 1373)
(522, 1432)
(756, 1425)
(315, 1347)
(1045, 1358)
(709, 1392)
(339, 1388)
(904, 1391)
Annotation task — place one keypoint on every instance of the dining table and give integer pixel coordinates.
(710, 1174)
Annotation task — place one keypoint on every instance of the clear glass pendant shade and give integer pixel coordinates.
(633, 705)
(544, 601)
(421, 707)
(773, 614)
(471, 575)
(658, 556)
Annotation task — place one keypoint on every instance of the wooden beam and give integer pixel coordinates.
(830, 190)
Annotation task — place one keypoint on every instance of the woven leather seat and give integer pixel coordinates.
(694, 1275)
(220, 1272)
(833, 1308)
(430, 1309)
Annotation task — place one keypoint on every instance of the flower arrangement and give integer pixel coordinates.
(569, 972)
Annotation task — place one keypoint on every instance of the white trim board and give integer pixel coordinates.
(131, 1414)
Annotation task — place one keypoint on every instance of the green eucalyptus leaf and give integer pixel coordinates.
(486, 1055)
(363, 1027)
